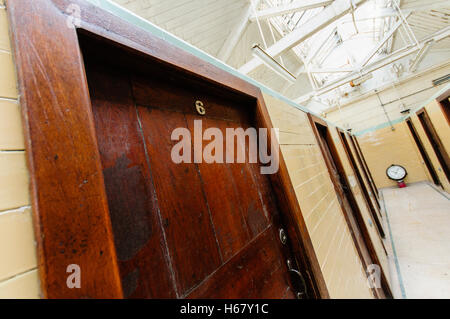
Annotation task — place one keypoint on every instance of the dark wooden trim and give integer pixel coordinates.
(444, 99)
(353, 227)
(365, 169)
(373, 209)
(443, 96)
(373, 254)
(378, 293)
(435, 141)
(68, 194)
(355, 139)
(444, 104)
(71, 216)
(366, 184)
(287, 197)
(423, 152)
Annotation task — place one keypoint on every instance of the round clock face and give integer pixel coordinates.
(396, 172)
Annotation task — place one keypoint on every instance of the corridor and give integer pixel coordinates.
(418, 219)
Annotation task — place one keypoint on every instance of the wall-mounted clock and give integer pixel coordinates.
(397, 173)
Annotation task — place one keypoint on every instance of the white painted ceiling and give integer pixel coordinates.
(319, 49)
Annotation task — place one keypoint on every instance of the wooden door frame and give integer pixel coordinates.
(385, 291)
(364, 167)
(313, 120)
(358, 176)
(355, 140)
(70, 210)
(351, 197)
(369, 243)
(423, 152)
(444, 97)
(445, 160)
(374, 207)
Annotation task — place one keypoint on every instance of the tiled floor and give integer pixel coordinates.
(418, 218)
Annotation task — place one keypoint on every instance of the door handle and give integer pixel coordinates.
(302, 293)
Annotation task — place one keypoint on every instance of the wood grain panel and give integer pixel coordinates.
(68, 196)
(132, 202)
(257, 272)
(190, 234)
(228, 214)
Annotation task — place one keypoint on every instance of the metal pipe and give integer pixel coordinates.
(385, 112)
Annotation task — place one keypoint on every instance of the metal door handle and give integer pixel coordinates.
(303, 293)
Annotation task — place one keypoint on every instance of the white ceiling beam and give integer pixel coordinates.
(383, 13)
(390, 12)
(420, 56)
(426, 5)
(317, 46)
(290, 8)
(237, 32)
(389, 59)
(388, 35)
(331, 70)
(330, 14)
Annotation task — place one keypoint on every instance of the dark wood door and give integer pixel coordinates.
(340, 183)
(345, 196)
(375, 213)
(423, 152)
(445, 107)
(435, 142)
(187, 230)
(352, 213)
(365, 169)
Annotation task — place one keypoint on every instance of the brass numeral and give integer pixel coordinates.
(200, 107)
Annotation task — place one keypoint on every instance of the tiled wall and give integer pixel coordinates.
(18, 274)
(385, 147)
(336, 252)
(357, 192)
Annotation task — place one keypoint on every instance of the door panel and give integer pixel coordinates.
(366, 173)
(131, 199)
(435, 142)
(192, 230)
(445, 107)
(376, 214)
(352, 213)
(259, 268)
(187, 223)
(423, 152)
(245, 217)
(366, 167)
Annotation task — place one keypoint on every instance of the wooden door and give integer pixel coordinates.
(359, 150)
(347, 201)
(373, 209)
(385, 289)
(423, 152)
(445, 107)
(340, 182)
(435, 142)
(187, 230)
(365, 169)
